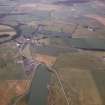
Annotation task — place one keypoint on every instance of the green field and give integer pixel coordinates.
(9, 69)
(83, 78)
